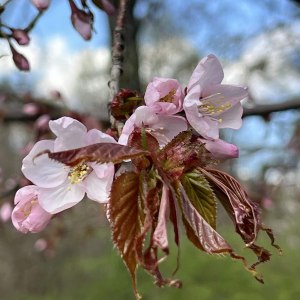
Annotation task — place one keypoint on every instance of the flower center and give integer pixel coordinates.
(169, 97)
(214, 104)
(28, 207)
(78, 173)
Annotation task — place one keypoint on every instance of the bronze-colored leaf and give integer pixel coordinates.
(124, 217)
(201, 196)
(100, 152)
(183, 153)
(244, 213)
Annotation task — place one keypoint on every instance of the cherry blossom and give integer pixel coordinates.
(164, 96)
(163, 128)
(61, 186)
(210, 105)
(28, 215)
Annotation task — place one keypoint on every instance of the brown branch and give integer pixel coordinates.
(117, 59)
(267, 109)
(117, 50)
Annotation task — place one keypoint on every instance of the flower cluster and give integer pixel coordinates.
(207, 105)
(165, 158)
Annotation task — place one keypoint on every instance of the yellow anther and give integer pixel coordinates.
(78, 173)
(169, 97)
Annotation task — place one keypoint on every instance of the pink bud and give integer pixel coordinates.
(28, 215)
(41, 4)
(21, 36)
(5, 212)
(30, 109)
(81, 21)
(221, 149)
(19, 59)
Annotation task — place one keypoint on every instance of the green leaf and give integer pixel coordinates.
(201, 196)
(100, 152)
(124, 217)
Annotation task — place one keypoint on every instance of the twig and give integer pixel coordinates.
(117, 59)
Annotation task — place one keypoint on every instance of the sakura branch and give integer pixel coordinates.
(161, 165)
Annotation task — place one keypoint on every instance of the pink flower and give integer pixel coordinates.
(221, 149)
(209, 105)
(61, 186)
(163, 128)
(164, 96)
(81, 21)
(28, 215)
(41, 4)
(5, 212)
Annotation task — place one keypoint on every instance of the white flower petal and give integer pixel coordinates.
(208, 72)
(70, 133)
(102, 169)
(41, 170)
(95, 136)
(57, 199)
(98, 189)
(232, 118)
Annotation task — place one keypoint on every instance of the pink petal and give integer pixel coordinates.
(208, 72)
(221, 149)
(57, 199)
(232, 118)
(70, 133)
(108, 7)
(95, 136)
(26, 193)
(102, 170)
(42, 171)
(98, 189)
(127, 129)
(145, 116)
(168, 127)
(227, 95)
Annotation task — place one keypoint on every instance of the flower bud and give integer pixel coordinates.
(19, 59)
(21, 36)
(41, 4)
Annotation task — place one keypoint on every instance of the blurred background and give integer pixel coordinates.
(258, 43)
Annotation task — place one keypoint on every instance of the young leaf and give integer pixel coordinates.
(201, 196)
(124, 215)
(183, 153)
(100, 152)
(244, 213)
(201, 234)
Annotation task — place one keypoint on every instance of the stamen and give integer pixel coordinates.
(78, 173)
(169, 97)
(28, 207)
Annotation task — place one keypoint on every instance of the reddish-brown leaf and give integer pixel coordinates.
(124, 217)
(183, 153)
(101, 153)
(244, 213)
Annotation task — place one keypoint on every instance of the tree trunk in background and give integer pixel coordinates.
(130, 77)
